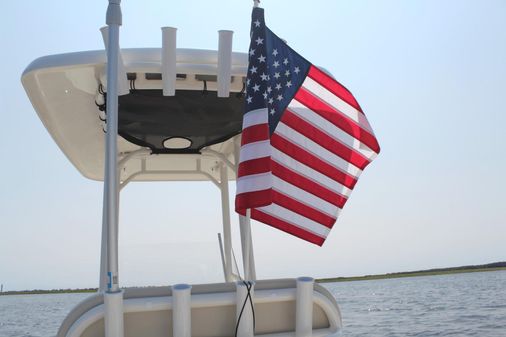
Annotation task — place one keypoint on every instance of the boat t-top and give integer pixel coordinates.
(166, 114)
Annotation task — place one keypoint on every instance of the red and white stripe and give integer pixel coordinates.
(300, 177)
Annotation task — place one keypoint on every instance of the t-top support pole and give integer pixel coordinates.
(227, 232)
(248, 258)
(113, 298)
(111, 191)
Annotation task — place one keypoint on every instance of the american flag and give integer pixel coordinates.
(305, 140)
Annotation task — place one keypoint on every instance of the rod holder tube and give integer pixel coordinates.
(169, 60)
(224, 62)
(123, 87)
(113, 303)
(304, 307)
(245, 327)
(181, 311)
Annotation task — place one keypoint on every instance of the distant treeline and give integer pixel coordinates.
(482, 266)
(52, 291)
(426, 272)
(435, 271)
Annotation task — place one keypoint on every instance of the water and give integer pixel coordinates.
(448, 305)
(35, 315)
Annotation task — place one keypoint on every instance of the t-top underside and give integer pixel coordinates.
(180, 137)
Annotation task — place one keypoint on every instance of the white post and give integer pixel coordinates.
(102, 284)
(122, 84)
(304, 307)
(169, 60)
(248, 259)
(227, 232)
(244, 314)
(113, 298)
(181, 310)
(113, 303)
(224, 62)
(247, 246)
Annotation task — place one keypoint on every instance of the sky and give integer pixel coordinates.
(430, 76)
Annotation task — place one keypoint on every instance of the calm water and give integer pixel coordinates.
(450, 305)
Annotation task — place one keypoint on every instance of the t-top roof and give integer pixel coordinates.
(67, 91)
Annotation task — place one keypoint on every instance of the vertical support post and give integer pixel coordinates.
(253, 273)
(169, 60)
(111, 180)
(227, 232)
(181, 310)
(245, 228)
(244, 314)
(224, 62)
(248, 259)
(102, 282)
(113, 298)
(304, 307)
(122, 81)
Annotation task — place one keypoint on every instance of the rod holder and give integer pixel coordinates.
(123, 86)
(169, 60)
(181, 310)
(224, 62)
(304, 307)
(113, 303)
(245, 327)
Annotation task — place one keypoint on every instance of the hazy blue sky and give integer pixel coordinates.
(430, 75)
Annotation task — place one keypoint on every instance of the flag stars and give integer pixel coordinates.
(278, 86)
(249, 99)
(288, 84)
(256, 87)
(269, 89)
(279, 98)
(253, 70)
(285, 62)
(261, 58)
(296, 70)
(275, 52)
(277, 75)
(265, 94)
(287, 73)
(272, 112)
(257, 23)
(251, 52)
(271, 100)
(264, 77)
(275, 64)
(259, 41)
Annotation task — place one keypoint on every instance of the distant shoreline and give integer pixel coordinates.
(429, 272)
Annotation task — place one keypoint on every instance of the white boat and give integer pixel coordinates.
(179, 119)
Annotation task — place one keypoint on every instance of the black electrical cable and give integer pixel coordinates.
(241, 93)
(248, 285)
(204, 92)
